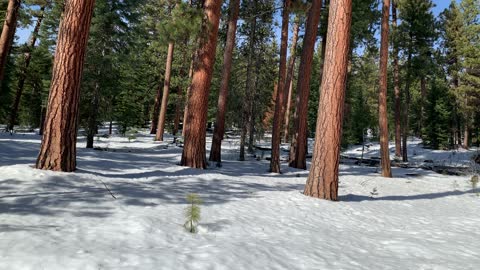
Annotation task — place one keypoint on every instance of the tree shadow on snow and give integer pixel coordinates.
(428, 196)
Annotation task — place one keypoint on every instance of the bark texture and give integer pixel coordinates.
(289, 81)
(194, 145)
(23, 74)
(8, 34)
(323, 178)
(298, 158)
(58, 149)
(219, 130)
(166, 91)
(382, 93)
(281, 94)
(187, 95)
(396, 87)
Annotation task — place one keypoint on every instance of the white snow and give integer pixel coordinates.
(251, 219)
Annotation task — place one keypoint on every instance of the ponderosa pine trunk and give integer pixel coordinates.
(8, 34)
(323, 178)
(166, 91)
(219, 129)
(58, 149)
(23, 73)
(396, 86)
(382, 93)
(289, 81)
(298, 159)
(281, 94)
(156, 110)
(194, 145)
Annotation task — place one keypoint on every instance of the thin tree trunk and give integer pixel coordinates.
(299, 141)
(43, 115)
(23, 73)
(219, 130)
(110, 127)
(396, 82)
(194, 145)
(249, 89)
(58, 149)
(281, 94)
(406, 110)
(187, 95)
(288, 82)
(92, 118)
(166, 90)
(287, 113)
(323, 178)
(382, 93)
(156, 110)
(8, 34)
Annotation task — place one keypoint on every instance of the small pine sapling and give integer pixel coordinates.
(192, 212)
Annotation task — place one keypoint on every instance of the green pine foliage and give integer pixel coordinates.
(192, 212)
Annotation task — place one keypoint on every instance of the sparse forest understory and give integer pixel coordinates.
(329, 98)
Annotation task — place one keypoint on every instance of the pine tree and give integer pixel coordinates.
(194, 146)
(58, 149)
(8, 34)
(323, 178)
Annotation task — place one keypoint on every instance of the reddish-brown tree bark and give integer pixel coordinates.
(323, 178)
(396, 86)
(298, 159)
(194, 145)
(281, 94)
(382, 93)
(219, 130)
(23, 73)
(58, 149)
(8, 34)
(166, 91)
(289, 81)
(156, 110)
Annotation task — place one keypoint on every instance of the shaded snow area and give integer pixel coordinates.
(250, 219)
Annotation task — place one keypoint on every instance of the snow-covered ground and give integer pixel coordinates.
(251, 219)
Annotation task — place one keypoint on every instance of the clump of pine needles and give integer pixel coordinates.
(192, 212)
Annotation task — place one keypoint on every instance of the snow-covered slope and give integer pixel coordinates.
(251, 219)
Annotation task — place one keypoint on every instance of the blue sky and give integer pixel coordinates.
(24, 33)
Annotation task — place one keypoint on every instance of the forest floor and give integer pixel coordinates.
(250, 219)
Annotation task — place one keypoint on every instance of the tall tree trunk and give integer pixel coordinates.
(92, 118)
(194, 145)
(382, 93)
(299, 141)
(249, 89)
(8, 34)
(286, 133)
(406, 109)
(187, 95)
(396, 83)
(323, 178)
(58, 149)
(281, 94)
(219, 130)
(24, 70)
(289, 81)
(166, 90)
(156, 110)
